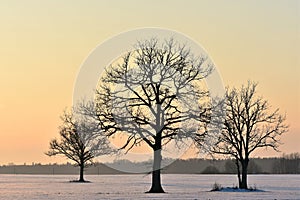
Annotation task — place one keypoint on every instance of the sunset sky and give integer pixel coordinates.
(43, 44)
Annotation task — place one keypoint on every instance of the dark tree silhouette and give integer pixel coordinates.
(287, 164)
(246, 125)
(154, 95)
(80, 141)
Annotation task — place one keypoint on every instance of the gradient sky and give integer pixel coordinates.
(43, 43)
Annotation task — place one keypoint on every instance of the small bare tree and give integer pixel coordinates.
(244, 123)
(81, 140)
(154, 96)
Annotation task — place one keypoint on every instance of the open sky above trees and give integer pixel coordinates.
(44, 43)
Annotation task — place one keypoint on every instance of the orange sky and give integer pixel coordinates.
(42, 46)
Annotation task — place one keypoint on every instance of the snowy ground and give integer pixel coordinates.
(25, 187)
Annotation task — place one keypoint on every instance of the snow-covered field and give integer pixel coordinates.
(17, 187)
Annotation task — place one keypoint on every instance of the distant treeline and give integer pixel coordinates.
(287, 164)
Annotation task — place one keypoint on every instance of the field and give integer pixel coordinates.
(40, 187)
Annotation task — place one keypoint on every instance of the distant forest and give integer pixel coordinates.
(286, 164)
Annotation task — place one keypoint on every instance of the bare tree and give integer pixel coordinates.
(246, 125)
(154, 96)
(81, 140)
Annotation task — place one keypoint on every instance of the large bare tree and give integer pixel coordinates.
(81, 140)
(245, 123)
(153, 95)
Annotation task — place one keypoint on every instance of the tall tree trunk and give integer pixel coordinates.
(244, 174)
(81, 179)
(238, 172)
(156, 180)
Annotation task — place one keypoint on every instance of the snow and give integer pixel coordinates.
(177, 186)
(230, 189)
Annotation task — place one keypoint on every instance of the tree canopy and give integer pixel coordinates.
(153, 95)
(243, 123)
(81, 140)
